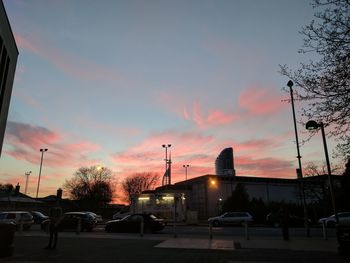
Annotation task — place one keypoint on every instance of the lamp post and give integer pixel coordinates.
(27, 177)
(313, 125)
(299, 170)
(100, 170)
(41, 164)
(166, 146)
(186, 167)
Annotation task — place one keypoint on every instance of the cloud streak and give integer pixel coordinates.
(70, 64)
(200, 152)
(25, 140)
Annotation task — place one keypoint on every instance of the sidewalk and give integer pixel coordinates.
(296, 244)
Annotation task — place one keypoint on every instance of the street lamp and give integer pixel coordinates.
(299, 170)
(100, 170)
(313, 125)
(186, 167)
(41, 164)
(27, 177)
(166, 146)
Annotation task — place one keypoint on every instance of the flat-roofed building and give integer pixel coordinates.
(8, 61)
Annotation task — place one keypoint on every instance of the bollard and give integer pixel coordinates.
(141, 227)
(20, 227)
(78, 226)
(210, 231)
(324, 230)
(246, 230)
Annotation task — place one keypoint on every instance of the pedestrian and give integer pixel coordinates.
(55, 218)
(284, 222)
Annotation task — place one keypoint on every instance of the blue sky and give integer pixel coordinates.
(109, 82)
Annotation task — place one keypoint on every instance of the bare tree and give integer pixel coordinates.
(138, 182)
(313, 169)
(92, 186)
(324, 82)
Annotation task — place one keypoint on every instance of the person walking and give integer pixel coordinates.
(55, 218)
(284, 222)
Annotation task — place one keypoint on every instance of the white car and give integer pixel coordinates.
(18, 218)
(344, 219)
(231, 218)
(97, 217)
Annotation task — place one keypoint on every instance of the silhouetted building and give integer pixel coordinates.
(224, 163)
(8, 61)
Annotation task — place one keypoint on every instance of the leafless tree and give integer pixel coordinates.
(92, 186)
(138, 182)
(324, 82)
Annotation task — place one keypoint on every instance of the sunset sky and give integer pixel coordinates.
(108, 82)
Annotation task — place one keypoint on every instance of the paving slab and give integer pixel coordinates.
(197, 244)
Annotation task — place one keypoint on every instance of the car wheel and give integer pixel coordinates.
(216, 223)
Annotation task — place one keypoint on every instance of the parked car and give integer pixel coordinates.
(70, 221)
(38, 217)
(97, 217)
(18, 217)
(132, 223)
(231, 218)
(122, 213)
(274, 219)
(344, 219)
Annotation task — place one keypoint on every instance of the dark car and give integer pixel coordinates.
(71, 220)
(38, 217)
(274, 219)
(132, 223)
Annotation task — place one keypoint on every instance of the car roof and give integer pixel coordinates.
(13, 212)
(75, 213)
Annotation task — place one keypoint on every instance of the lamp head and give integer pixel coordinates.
(312, 125)
(290, 84)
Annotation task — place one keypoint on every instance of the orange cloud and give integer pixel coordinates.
(200, 152)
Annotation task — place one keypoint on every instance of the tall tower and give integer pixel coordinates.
(8, 61)
(224, 165)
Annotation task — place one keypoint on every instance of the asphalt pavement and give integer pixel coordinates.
(99, 246)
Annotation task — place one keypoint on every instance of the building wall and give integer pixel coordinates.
(207, 198)
(8, 61)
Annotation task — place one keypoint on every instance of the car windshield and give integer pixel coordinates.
(38, 214)
(153, 216)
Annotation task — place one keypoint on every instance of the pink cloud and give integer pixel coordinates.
(214, 117)
(200, 152)
(25, 140)
(70, 64)
(261, 101)
(264, 167)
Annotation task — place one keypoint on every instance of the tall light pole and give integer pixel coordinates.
(299, 171)
(166, 177)
(186, 167)
(27, 177)
(313, 125)
(100, 170)
(41, 164)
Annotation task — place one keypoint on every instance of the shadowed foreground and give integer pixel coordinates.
(30, 249)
